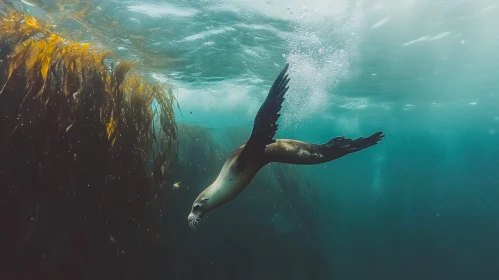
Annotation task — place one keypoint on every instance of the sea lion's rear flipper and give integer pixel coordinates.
(297, 152)
(265, 124)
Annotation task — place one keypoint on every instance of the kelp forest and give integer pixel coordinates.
(79, 179)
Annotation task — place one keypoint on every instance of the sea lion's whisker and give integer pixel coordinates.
(193, 221)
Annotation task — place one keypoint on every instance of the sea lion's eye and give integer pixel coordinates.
(196, 207)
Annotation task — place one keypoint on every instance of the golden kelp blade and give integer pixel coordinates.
(31, 21)
(110, 128)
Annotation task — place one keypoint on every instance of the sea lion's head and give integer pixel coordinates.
(221, 191)
(200, 207)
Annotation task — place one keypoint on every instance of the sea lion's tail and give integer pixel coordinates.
(298, 152)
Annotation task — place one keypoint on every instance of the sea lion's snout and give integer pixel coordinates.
(198, 209)
(191, 217)
(194, 218)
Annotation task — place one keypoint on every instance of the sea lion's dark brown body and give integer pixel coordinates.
(261, 148)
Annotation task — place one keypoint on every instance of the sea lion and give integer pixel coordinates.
(262, 149)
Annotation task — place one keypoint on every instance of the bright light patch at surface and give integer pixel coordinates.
(162, 10)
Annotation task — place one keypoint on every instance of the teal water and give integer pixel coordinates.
(423, 204)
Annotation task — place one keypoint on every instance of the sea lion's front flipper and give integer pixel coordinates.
(265, 124)
(297, 152)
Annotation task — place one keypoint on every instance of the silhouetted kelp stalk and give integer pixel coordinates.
(84, 148)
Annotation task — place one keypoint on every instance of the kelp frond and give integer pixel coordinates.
(51, 68)
(78, 137)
